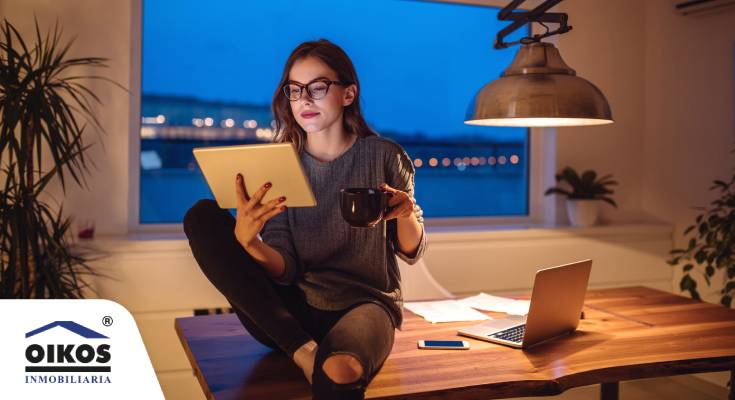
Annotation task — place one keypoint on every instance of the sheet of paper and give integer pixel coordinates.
(444, 311)
(487, 302)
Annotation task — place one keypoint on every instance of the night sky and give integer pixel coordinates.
(419, 63)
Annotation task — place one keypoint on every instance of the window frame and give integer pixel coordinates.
(541, 148)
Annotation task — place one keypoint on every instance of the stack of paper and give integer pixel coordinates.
(464, 309)
(444, 311)
(486, 302)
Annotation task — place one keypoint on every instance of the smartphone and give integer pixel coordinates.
(444, 344)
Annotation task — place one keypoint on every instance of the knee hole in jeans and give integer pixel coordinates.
(343, 368)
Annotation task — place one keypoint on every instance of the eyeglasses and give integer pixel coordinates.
(317, 89)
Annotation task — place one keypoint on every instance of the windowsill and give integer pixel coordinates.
(176, 241)
(541, 231)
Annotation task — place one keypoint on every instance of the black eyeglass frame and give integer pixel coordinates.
(308, 90)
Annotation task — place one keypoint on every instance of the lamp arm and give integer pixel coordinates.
(521, 18)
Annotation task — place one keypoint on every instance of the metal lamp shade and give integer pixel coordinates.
(539, 89)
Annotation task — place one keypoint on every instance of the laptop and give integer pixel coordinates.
(556, 306)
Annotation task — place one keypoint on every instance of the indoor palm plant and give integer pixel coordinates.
(583, 194)
(44, 111)
(712, 245)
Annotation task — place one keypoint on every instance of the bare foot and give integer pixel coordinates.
(304, 357)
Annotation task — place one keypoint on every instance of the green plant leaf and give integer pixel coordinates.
(570, 176)
(610, 201)
(718, 183)
(588, 177)
(610, 182)
(687, 283)
(703, 229)
(688, 229)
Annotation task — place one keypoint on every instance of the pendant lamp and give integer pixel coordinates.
(538, 89)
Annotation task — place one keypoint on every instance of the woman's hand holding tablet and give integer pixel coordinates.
(251, 214)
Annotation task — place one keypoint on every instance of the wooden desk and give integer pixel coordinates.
(627, 333)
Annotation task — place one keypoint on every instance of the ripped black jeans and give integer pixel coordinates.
(277, 315)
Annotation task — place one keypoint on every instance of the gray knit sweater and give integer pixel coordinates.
(334, 264)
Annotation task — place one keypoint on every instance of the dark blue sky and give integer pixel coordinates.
(419, 62)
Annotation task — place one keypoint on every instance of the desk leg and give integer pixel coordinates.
(609, 390)
(732, 384)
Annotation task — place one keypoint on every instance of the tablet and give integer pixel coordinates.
(277, 163)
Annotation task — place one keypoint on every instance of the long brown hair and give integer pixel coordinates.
(287, 129)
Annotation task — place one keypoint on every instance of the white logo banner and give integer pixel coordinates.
(72, 349)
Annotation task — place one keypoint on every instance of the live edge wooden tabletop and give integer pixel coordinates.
(627, 333)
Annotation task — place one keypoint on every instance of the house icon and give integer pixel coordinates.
(70, 326)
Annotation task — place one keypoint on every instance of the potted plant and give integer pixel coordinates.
(712, 245)
(44, 110)
(583, 194)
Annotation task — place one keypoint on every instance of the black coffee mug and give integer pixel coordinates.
(364, 207)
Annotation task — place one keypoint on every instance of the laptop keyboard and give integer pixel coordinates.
(514, 334)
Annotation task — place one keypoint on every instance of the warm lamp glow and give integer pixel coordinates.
(538, 89)
(539, 122)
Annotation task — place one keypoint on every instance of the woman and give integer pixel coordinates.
(325, 293)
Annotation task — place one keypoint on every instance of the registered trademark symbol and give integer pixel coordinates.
(106, 320)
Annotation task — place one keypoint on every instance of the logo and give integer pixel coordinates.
(50, 360)
(82, 349)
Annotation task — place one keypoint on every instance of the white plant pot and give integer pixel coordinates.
(582, 212)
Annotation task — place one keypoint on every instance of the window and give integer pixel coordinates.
(209, 72)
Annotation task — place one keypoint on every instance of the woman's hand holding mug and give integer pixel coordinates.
(251, 214)
(401, 203)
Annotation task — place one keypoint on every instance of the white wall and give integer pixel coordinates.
(670, 82)
(690, 114)
(606, 47)
(102, 29)
(690, 108)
